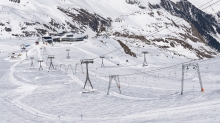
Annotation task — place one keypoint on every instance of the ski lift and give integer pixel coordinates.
(212, 8)
(196, 65)
(85, 88)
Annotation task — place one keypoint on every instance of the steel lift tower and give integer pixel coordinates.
(102, 57)
(68, 53)
(32, 62)
(145, 61)
(40, 61)
(196, 66)
(87, 61)
(51, 57)
(116, 78)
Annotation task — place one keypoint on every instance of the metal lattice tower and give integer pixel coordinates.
(68, 53)
(195, 66)
(51, 57)
(40, 61)
(87, 61)
(102, 57)
(32, 62)
(116, 78)
(145, 61)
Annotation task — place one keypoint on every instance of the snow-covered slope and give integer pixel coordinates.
(131, 20)
(148, 94)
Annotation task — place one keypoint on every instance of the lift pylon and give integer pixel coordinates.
(102, 57)
(87, 61)
(23, 48)
(26, 54)
(51, 57)
(32, 62)
(195, 66)
(40, 61)
(68, 53)
(145, 61)
(116, 78)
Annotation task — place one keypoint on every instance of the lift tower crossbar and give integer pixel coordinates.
(195, 66)
(87, 61)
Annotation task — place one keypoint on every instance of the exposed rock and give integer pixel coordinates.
(127, 50)
(93, 20)
(8, 29)
(204, 23)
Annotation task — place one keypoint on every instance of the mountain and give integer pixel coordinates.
(177, 27)
(206, 24)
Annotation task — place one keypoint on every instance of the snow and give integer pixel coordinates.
(30, 95)
(149, 94)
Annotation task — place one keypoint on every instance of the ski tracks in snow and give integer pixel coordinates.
(27, 89)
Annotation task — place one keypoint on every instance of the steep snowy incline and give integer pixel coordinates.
(133, 21)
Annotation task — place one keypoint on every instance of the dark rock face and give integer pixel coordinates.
(16, 1)
(93, 20)
(8, 29)
(205, 24)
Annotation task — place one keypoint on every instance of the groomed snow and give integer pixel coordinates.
(29, 95)
(149, 94)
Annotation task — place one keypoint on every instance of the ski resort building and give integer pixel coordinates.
(69, 37)
(47, 39)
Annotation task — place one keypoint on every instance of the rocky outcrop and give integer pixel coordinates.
(205, 24)
(16, 1)
(83, 17)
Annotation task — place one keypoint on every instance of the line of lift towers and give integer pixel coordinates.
(111, 77)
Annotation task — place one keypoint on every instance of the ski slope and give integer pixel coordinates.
(151, 95)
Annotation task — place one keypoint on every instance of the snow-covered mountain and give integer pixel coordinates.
(47, 83)
(172, 25)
